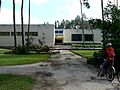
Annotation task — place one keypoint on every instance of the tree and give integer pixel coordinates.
(78, 21)
(67, 24)
(0, 3)
(95, 23)
(102, 22)
(112, 25)
(14, 25)
(22, 22)
(85, 2)
(28, 38)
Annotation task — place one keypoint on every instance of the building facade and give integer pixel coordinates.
(45, 33)
(48, 35)
(68, 36)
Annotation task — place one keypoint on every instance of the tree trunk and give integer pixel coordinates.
(22, 22)
(102, 22)
(29, 22)
(0, 4)
(14, 25)
(117, 4)
(82, 23)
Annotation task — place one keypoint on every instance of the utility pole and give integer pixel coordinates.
(82, 22)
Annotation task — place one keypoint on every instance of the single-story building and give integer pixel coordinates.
(68, 36)
(48, 35)
(43, 32)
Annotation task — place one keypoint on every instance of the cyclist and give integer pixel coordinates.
(109, 55)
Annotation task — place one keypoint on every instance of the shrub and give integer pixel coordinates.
(21, 50)
(42, 49)
(97, 59)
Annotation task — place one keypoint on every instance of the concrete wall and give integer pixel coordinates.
(48, 30)
(68, 32)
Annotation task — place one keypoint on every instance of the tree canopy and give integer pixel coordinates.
(111, 25)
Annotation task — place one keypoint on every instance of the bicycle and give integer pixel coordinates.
(107, 70)
(118, 76)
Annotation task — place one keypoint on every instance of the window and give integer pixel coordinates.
(56, 31)
(60, 31)
(12, 33)
(17, 33)
(4, 33)
(76, 37)
(88, 37)
(26, 33)
(31, 33)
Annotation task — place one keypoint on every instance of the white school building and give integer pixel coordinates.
(48, 34)
(43, 32)
(68, 36)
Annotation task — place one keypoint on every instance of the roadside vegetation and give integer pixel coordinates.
(16, 59)
(85, 53)
(93, 56)
(15, 82)
(88, 45)
(18, 82)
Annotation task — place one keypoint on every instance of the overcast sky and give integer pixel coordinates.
(49, 10)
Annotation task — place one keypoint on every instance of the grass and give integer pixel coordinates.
(15, 82)
(85, 53)
(14, 59)
(3, 51)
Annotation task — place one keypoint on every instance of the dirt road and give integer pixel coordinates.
(68, 71)
(64, 71)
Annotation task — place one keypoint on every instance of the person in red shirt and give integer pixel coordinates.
(109, 53)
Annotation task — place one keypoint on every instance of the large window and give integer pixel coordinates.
(58, 31)
(89, 37)
(76, 37)
(26, 33)
(4, 33)
(31, 33)
(17, 33)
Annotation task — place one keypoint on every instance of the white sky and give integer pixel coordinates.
(49, 10)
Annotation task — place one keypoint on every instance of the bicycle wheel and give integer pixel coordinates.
(118, 76)
(100, 73)
(110, 73)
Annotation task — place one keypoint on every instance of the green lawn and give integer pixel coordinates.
(85, 53)
(14, 59)
(15, 82)
(3, 51)
(18, 82)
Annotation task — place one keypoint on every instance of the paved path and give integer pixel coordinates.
(63, 71)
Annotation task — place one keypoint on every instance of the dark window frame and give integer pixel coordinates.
(89, 37)
(4, 33)
(60, 31)
(76, 37)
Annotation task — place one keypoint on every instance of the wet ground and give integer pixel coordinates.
(63, 71)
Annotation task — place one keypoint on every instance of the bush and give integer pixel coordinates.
(97, 59)
(21, 50)
(42, 49)
(8, 52)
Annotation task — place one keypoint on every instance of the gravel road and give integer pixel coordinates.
(63, 71)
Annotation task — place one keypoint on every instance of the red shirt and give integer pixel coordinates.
(110, 54)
